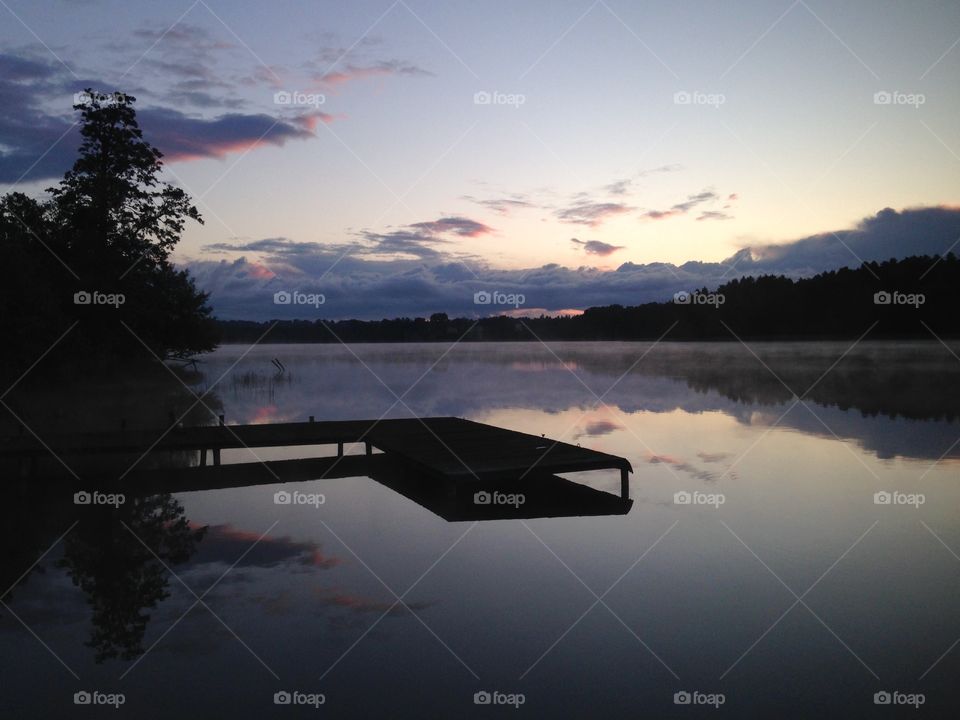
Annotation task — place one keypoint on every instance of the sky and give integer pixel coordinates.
(396, 158)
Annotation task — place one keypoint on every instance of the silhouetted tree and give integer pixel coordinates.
(108, 227)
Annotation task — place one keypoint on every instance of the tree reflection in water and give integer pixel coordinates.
(121, 559)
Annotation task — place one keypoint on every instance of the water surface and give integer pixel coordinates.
(790, 591)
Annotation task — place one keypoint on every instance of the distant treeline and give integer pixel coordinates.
(900, 296)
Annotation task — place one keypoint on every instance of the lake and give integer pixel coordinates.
(793, 548)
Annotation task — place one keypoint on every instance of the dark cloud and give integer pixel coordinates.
(419, 244)
(39, 136)
(596, 428)
(596, 247)
(421, 240)
(365, 281)
(184, 137)
(20, 69)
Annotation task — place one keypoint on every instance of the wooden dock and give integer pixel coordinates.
(444, 448)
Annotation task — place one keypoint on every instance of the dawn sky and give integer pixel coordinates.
(428, 147)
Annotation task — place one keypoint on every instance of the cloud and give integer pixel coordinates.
(692, 201)
(419, 239)
(225, 543)
(182, 137)
(596, 247)
(591, 213)
(618, 187)
(660, 214)
(402, 242)
(39, 136)
(682, 466)
(659, 170)
(621, 187)
(332, 597)
(714, 215)
(502, 205)
(596, 428)
(714, 457)
(463, 227)
(20, 69)
(409, 273)
(351, 73)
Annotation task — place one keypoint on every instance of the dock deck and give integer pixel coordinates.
(445, 448)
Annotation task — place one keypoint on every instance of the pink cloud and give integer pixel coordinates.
(338, 78)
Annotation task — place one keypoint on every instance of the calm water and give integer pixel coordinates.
(784, 587)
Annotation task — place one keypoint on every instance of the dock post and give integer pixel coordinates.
(339, 449)
(203, 457)
(221, 421)
(369, 449)
(216, 456)
(624, 483)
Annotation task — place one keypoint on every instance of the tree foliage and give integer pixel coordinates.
(105, 231)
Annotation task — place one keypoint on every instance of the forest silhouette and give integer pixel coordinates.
(907, 298)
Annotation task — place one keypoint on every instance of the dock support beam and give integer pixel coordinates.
(624, 483)
(369, 450)
(203, 457)
(216, 456)
(339, 449)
